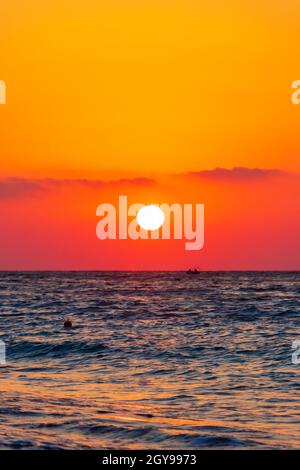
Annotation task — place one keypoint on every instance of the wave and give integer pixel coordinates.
(36, 350)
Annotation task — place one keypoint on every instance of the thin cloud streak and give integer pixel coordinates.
(13, 188)
(237, 174)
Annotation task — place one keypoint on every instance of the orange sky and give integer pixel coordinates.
(105, 90)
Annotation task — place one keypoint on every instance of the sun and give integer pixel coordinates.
(150, 217)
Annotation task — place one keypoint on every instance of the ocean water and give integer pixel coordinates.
(154, 360)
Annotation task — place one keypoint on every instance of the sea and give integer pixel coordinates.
(154, 360)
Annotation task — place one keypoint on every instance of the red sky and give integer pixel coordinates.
(251, 222)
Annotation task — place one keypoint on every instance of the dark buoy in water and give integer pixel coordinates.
(68, 324)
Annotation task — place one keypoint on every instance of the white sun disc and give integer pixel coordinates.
(150, 217)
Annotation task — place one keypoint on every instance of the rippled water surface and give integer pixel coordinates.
(154, 360)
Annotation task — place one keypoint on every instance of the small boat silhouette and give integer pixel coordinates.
(68, 323)
(193, 271)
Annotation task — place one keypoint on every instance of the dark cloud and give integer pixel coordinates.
(238, 173)
(18, 187)
(11, 188)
